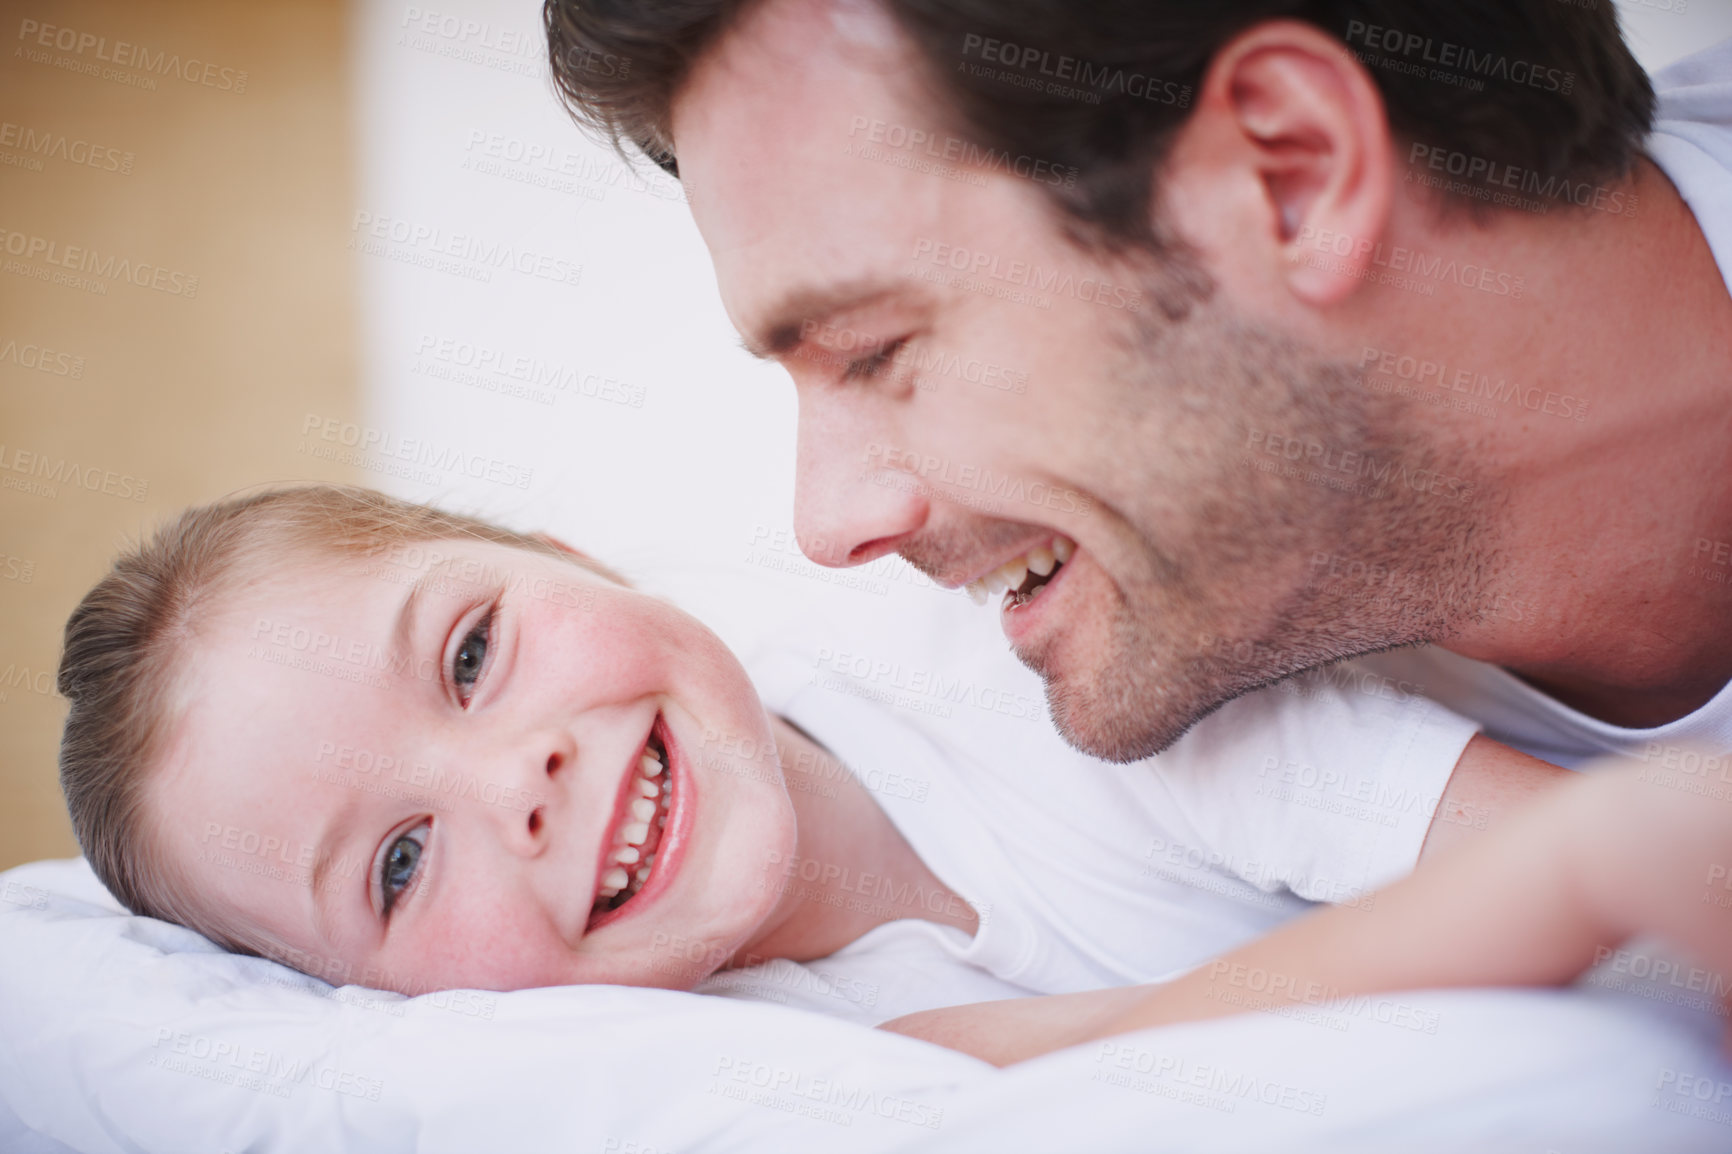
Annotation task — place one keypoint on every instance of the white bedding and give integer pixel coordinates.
(124, 1034)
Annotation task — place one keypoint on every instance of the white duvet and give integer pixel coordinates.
(120, 1033)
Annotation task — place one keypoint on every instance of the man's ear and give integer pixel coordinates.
(1304, 116)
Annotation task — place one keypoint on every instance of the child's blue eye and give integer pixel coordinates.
(471, 656)
(401, 861)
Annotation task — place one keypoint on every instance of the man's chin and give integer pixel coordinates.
(1113, 725)
(1109, 730)
(1105, 695)
(1122, 697)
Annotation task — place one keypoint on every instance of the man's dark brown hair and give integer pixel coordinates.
(1543, 87)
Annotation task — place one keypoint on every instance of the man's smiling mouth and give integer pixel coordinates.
(1022, 578)
(637, 833)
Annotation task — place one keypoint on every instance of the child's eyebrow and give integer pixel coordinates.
(325, 861)
(323, 884)
(403, 631)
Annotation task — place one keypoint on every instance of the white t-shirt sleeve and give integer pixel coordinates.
(1324, 785)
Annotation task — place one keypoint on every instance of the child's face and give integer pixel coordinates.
(463, 741)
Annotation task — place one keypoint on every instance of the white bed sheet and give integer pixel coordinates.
(124, 1034)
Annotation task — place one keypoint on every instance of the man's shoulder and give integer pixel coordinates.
(1531, 720)
(1710, 67)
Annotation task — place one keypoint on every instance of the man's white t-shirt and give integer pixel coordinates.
(1692, 144)
(1088, 874)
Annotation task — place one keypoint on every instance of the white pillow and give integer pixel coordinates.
(126, 1033)
(120, 1033)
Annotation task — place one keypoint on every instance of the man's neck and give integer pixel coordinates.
(854, 871)
(1603, 593)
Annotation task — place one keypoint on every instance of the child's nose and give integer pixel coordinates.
(528, 788)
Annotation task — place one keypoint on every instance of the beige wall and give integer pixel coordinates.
(161, 394)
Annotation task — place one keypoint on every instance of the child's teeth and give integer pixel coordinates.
(1040, 561)
(627, 866)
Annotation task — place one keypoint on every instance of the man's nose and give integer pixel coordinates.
(522, 796)
(854, 499)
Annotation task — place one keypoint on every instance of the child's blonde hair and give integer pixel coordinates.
(132, 632)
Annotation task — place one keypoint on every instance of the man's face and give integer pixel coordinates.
(977, 391)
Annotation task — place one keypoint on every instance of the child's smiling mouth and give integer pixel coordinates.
(628, 860)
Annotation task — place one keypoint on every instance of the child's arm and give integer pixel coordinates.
(1589, 863)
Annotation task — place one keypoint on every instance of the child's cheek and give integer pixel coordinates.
(625, 646)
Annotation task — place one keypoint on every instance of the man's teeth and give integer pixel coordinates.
(1043, 561)
(632, 842)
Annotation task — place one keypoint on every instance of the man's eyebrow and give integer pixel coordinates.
(788, 318)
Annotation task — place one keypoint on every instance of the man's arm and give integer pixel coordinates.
(1490, 780)
(1590, 863)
